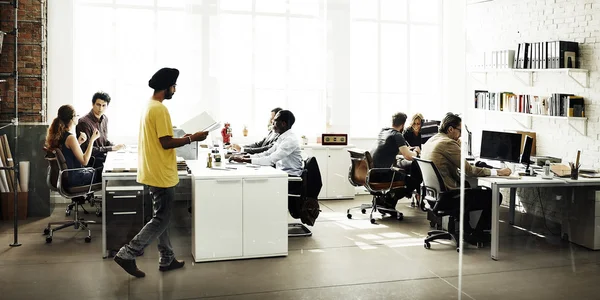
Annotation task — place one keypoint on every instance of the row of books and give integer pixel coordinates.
(502, 59)
(546, 55)
(564, 105)
(538, 55)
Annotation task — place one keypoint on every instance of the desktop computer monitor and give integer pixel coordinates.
(526, 155)
(502, 146)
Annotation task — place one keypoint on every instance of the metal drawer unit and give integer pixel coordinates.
(124, 214)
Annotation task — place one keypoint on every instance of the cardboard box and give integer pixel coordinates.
(7, 205)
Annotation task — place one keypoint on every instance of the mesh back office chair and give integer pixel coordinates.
(302, 198)
(441, 202)
(56, 179)
(361, 170)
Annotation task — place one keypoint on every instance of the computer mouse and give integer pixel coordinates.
(480, 164)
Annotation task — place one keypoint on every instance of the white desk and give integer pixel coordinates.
(239, 213)
(496, 184)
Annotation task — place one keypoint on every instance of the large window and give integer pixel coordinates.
(395, 61)
(238, 61)
(272, 56)
(119, 44)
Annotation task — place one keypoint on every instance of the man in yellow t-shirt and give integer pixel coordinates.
(157, 169)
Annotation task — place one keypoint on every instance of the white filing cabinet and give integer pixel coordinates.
(334, 163)
(238, 213)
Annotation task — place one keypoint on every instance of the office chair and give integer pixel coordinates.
(56, 179)
(94, 200)
(302, 198)
(441, 202)
(361, 170)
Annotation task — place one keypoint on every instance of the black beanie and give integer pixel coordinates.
(163, 79)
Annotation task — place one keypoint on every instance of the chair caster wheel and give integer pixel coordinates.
(400, 216)
(480, 245)
(88, 239)
(349, 216)
(67, 213)
(427, 245)
(48, 240)
(432, 224)
(46, 231)
(372, 221)
(364, 211)
(98, 214)
(458, 250)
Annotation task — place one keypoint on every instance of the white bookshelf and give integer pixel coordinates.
(580, 76)
(525, 119)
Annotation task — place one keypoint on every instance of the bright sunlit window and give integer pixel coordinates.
(254, 56)
(272, 55)
(395, 61)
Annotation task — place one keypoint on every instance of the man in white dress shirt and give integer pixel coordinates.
(285, 153)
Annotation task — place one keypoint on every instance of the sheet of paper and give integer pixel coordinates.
(201, 122)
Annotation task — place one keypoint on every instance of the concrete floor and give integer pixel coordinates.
(344, 259)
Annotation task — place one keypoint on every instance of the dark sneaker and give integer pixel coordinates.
(175, 264)
(129, 266)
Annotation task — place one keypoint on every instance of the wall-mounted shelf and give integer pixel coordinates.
(525, 76)
(577, 123)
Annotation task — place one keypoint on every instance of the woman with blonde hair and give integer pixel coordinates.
(61, 136)
(412, 134)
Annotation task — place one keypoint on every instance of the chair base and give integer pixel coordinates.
(76, 223)
(298, 229)
(373, 207)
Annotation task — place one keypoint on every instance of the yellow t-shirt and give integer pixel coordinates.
(156, 166)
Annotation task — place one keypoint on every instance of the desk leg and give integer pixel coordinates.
(495, 221)
(104, 252)
(511, 208)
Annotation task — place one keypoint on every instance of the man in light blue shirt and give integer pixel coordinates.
(285, 153)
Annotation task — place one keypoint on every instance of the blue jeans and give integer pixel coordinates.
(157, 227)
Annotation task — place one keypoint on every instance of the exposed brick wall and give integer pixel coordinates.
(502, 24)
(30, 65)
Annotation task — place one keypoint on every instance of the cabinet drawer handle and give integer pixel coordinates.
(125, 197)
(256, 179)
(228, 180)
(125, 213)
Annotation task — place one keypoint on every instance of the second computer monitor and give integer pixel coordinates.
(527, 147)
(502, 146)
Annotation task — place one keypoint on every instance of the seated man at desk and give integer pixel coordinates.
(443, 150)
(390, 143)
(285, 153)
(264, 144)
(97, 120)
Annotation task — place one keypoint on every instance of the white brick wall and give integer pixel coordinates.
(502, 24)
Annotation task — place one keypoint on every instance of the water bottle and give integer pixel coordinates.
(547, 169)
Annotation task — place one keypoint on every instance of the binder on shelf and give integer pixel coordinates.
(515, 59)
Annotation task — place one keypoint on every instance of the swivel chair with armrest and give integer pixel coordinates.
(302, 198)
(57, 180)
(360, 174)
(441, 202)
(94, 200)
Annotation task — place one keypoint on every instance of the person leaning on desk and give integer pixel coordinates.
(97, 120)
(391, 143)
(285, 153)
(264, 144)
(443, 150)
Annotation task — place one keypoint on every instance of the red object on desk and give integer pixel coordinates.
(226, 133)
